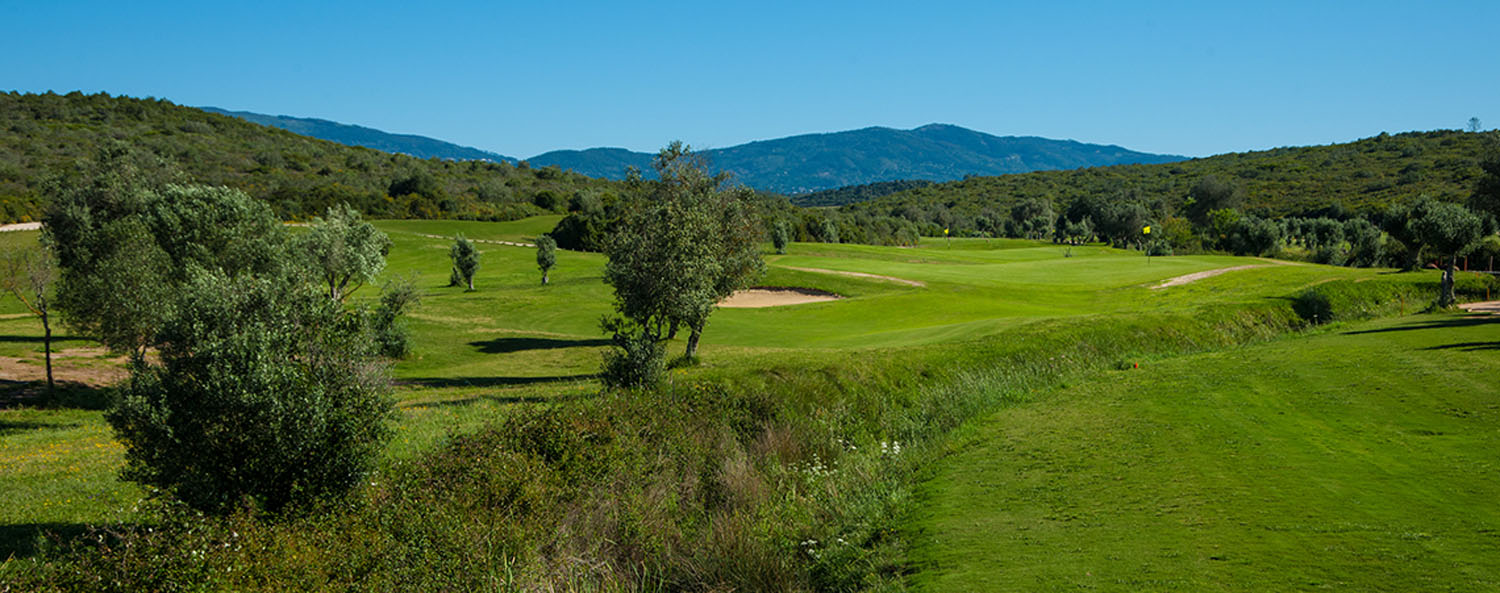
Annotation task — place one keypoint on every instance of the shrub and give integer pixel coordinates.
(638, 360)
(265, 390)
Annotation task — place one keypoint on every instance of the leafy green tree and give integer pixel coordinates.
(386, 320)
(124, 249)
(1399, 224)
(1211, 193)
(344, 251)
(1365, 242)
(681, 245)
(546, 255)
(465, 256)
(29, 275)
(1450, 231)
(780, 236)
(266, 389)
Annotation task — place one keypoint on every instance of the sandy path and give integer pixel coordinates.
(1491, 307)
(20, 226)
(858, 275)
(1196, 276)
(89, 366)
(755, 298)
(490, 241)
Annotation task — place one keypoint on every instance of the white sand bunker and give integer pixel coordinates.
(775, 296)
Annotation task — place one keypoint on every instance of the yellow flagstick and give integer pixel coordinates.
(1147, 232)
(946, 239)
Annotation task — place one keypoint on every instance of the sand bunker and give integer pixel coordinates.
(20, 226)
(771, 296)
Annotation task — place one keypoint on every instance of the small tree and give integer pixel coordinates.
(781, 235)
(28, 276)
(546, 255)
(1450, 231)
(344, 251)
(1474, 125)
(465, 258)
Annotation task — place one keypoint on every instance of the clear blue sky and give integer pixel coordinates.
(1194, 78)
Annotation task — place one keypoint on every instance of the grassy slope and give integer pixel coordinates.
(1360, 459)
(477, 354)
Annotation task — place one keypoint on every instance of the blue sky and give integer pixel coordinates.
(1194, 78)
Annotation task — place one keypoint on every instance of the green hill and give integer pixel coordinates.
(47, 136)
(412, 144)
(1361, 176)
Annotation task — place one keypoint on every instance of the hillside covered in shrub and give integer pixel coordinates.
(48, 137)
(1364, 176)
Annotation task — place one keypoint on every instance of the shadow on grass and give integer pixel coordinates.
(1467, 346)
(489, 381)
(1447, 323)
(33, 394)
(508, 345)
(494, 398)
(24, 540)
(38, 339)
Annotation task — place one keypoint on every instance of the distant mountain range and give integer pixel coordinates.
(791, 165)
(813, 162)
(408, 144)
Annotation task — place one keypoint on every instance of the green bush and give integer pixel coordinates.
(266, 390)
(638, 359)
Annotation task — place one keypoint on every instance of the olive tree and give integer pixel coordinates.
(124, 250)
(344, 251)
(1450, 231)
(465, 256)
(682, 243)
(546, 255)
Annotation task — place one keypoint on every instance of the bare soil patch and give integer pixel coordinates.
(859, 275)
(774, 296)
(86, 366)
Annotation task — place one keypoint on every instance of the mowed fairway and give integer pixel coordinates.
(1366, 458)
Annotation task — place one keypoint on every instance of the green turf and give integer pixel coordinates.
(477, 355)
(1361, 459)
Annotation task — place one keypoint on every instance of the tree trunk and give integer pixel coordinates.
(544, 277)
(692, 343)
(471, 283)
(47, 348)
(672, 330)
(1445, 297)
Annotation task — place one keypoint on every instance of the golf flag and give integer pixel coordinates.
(945, 232)
(1146, 230)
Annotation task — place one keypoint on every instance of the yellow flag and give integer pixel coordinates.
(1147, 230)
(945, 232)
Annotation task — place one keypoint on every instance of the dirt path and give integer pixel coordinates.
(20, 226)
(755, 298)
(1196, 276)
(490, 241)
(859, 275)
(1491, 307)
